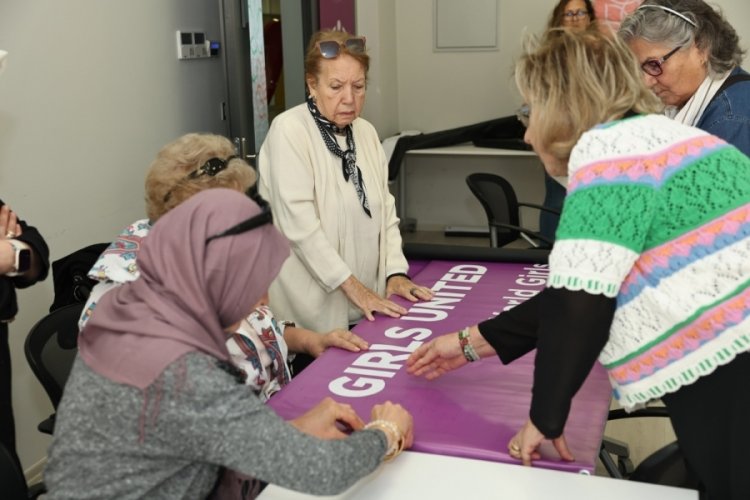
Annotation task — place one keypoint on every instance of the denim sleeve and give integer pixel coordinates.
(728, 117)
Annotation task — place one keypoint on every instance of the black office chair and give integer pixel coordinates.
(50, 348)
(665, 466)
(498, 198)
(13, 482)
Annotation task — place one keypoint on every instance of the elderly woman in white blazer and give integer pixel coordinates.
(324, 172)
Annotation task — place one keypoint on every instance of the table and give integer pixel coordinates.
(472, 412)
(413, 476)
(447, 181)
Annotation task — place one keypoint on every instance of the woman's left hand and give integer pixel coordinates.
(343, 339)
(406, 288)
(524, 445)
(329, 419)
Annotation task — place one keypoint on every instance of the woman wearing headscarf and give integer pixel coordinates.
(154, 408)
(324, 171)
(262, 344)
(690, 57)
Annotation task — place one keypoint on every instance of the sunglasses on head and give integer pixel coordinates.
(264, 217)
(212, 167)
(522, 114)
(653, 67)
(330, 49)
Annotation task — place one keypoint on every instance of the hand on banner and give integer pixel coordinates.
(525, 443)
(325, 420)
(406, 288)
(436, 357)
(369, 301)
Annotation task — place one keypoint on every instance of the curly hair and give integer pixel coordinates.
(711, 33)
(167, 181)
(575, 80)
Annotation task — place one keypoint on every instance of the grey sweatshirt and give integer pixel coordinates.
(116, 441)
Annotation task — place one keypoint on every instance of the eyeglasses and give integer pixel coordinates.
(575, 15)
(330, 49)
(264, 217)
(212, 167)
(523, 114)
(653, 67)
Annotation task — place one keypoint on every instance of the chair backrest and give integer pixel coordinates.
(51, 346)
(666, 466)
(498, 198)
(11, 477)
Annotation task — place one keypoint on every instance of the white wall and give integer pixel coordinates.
(440, 90)
(376, 20)
(92, 90)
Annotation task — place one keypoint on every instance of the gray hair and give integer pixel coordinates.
(711, 31)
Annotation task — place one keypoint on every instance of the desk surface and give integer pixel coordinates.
(438, 477)
(470, 149)
(472, 412)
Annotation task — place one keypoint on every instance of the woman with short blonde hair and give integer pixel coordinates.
(649, 272)
(573, 83)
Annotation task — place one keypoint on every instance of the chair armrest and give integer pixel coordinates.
(651, 411)
(523, 230)
(47, 426)
(539, 207)
(37, 489)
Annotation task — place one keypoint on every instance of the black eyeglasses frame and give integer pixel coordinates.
(656, 64)
(263, 218)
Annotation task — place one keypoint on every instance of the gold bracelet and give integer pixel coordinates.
(397, 441)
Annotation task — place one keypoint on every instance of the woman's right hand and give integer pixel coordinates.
(369, 301)
(436, 357)
(396, 414)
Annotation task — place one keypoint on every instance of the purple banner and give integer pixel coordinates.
(472, 412)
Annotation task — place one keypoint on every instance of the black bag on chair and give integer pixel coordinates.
(70, 275)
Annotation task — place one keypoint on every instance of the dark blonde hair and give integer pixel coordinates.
(575, 80)
(168, 174)
(313, 56)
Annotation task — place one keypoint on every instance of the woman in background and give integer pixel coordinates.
(690, 57)
(650, 271)
(153, 406)
(574, 15)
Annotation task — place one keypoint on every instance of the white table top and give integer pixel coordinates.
(436, 477)
(471, 150)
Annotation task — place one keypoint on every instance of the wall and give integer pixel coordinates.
(439, 90)
(376, 20)
(92, 90)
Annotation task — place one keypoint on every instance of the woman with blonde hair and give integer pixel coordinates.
(650, 269)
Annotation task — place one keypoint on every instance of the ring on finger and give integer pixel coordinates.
(412, 290)
(10, 235)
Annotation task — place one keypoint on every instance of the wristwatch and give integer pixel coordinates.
(22, 259)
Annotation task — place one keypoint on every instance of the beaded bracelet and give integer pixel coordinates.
(396, 441)
(463, 340)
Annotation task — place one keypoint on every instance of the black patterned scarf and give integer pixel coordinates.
(348, 157)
